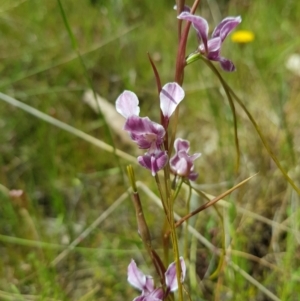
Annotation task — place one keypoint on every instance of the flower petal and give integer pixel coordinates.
(199, 23)
(135, 276)
(154, 162)
(170, 275)
(181, 145)
(180, 166)
(139, 298)
(144, 132)
(193, 176)
(214, 45)
(226, 64)
(127, 104)
(170, 96)
(149, 285)
(155, 295)
(226, 26)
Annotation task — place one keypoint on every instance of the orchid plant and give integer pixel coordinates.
(158, 139)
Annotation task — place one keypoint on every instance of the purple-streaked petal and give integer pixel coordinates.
(199, 23)
(155, 295)
(170, 96)
(174, 161)
(195, 156)
(226, 64)
(127, 104)
(226, 26)
(149, 285)
(144, 132)
(214, 45)
(170, 275)
(181, 145)
(135, 276)
(180, 166)
(154, 162)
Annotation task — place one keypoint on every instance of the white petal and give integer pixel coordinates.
(127, 104)
(170, 96)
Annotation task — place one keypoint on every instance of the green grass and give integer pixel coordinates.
(69, 182)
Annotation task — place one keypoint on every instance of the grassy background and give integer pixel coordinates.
(68, 183)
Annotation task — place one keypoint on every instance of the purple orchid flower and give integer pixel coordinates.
(146, 133)
(211, 48)
(154, 161)
(145, 283)
(182, 163)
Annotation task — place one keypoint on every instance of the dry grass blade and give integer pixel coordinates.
(212, 201)
(66, 127)
(17, 297)
(90, 294)
(88, 230)
(258, 217)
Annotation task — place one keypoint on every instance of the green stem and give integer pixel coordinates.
(143, 228)
(186, 230)
(175, 239)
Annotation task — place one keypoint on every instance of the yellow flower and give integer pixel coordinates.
(242, 36)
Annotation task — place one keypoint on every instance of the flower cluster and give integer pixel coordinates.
(150, 135)
(145, 283)
(146, 133)
(211, 48)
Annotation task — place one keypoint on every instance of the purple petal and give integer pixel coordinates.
(170, 96)
(193, 176)
(135, 276)
(156, 295)
(199, 23)
(180, 166)
(139, 298)
(195, 156)
(214, 45)
(144, 132)
(226, 65)
(226, 26)
(127, 104)
(154, 162)
(170, 275)
(181, 145)
(149, 285)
